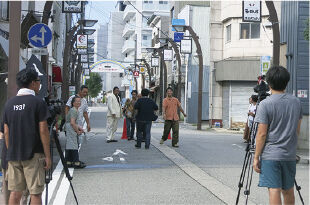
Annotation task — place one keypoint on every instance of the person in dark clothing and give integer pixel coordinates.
(27, 138)
(145, 108)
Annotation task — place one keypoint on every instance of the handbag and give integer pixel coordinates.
(155, 117)
(246, 132)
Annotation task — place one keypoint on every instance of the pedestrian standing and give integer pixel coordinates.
(130, 114)
(114, 114)
(279, 119)
(83, 109)
(146, 108)
(73, 130)
(27, 139)
(251, 114)
(171, 117)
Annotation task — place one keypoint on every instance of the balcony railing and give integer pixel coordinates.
(128, 46)
(128, 29)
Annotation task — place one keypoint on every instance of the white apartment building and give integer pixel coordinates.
(137, 34)
(115, 44)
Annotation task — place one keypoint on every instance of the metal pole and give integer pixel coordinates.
(177, 53)
(185, 91)
(273, 18)
(200, 75)
(14, 47)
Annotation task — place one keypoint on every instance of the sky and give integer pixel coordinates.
(99, 10)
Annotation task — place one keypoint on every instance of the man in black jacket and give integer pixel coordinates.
(145, 108)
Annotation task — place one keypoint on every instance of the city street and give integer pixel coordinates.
(204, 170)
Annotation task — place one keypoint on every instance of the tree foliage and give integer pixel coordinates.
(94, 84)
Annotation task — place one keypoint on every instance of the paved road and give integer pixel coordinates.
(204, 170)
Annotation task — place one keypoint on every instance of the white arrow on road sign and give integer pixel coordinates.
(39, 35)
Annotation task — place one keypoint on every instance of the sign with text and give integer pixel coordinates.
(264, 64)
(84, 65)
(302, 93)
(72, 7)
(251, 11)
(168, 55)
(71, 90)
(178, 36)
(39, 51)
(155, 61)
(81, 41)
(86, 72)
(82, 51)
(84, 58)
(186, 46)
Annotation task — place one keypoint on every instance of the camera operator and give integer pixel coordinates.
(279, 118)
(27, 139)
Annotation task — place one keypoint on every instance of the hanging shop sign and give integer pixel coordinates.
(85, 65)
(81, 41)
(155, 61)
(82, 51)
(84, 58)
(264, 64)
(186, 46)
(168, 55)
(72, 7)
(251, 11)
(86, 72)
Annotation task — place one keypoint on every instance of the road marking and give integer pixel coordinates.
(53, 183)
(118, 153)
(217, 188)
(61, 195)
(63, 189)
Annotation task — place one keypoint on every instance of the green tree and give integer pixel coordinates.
(94, 84)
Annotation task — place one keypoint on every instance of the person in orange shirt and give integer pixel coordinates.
(171, 117)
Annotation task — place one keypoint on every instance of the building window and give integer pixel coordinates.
(249, 30)
(228, 33)
(148, 2)
(144, 38)
(163, 2)
(4, 10)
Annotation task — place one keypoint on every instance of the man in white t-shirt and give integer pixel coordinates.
(252, 110)
(83, 109)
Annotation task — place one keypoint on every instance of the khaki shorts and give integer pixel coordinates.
(27, 174)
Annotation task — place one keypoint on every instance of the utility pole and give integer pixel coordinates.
(273, 18)
(14, 47)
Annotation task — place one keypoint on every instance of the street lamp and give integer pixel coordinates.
(177, 53)
(182, 28)
(88, 31)
(87, 22)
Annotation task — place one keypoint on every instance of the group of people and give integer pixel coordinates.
(26, 154)
(139, 112)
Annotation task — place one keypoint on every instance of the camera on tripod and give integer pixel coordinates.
(261, 88)
(54, 108)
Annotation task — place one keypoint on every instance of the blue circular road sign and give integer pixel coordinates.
(39, 35)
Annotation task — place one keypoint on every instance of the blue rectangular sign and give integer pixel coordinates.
(178, 37)
(177, 22)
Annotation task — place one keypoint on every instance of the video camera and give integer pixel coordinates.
(54, 107)
(261, 88)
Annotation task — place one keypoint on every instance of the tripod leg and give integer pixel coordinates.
(298, 188)
(248, 183)
(241, 180)
(64, 163)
